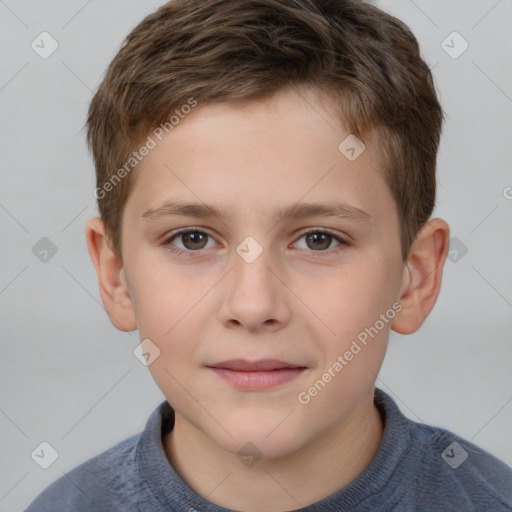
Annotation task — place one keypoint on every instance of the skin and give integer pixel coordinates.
(301, 301)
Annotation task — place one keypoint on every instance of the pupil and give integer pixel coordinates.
(314, 237)
(195, 239)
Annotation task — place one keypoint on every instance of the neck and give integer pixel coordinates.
(330, 462)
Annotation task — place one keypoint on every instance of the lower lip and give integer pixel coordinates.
(258, 380)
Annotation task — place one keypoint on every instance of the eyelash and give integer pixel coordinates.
(180, 252)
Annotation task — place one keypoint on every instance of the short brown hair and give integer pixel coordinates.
(222, 51)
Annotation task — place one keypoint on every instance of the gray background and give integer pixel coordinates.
(69, 378)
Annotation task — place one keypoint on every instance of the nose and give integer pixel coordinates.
(254, 298)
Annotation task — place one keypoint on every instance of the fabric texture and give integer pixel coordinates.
(418, 468)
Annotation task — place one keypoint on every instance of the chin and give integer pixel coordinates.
(264, 436)
(261, 447)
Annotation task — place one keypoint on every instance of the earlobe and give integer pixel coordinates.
(422, 276)
(113, 285)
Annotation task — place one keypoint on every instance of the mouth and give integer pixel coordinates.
(256, 375)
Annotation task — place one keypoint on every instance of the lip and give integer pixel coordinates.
(256, 375)
(254, 366)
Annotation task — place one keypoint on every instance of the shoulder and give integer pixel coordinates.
(96, 485)
(459, 473)
(115, 480)
(429, 468)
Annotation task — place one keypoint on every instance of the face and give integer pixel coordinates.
(268, 312)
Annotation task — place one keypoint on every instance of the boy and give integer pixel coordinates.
(232, 141)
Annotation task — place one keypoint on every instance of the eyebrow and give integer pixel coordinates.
(295, 211)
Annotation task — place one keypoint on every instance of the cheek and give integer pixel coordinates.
(172, 321)
(163, 299)
(351, 303)
(354, 297)
(168, 312)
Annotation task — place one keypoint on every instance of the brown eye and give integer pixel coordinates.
(194, 240)
(321, 243)
(190, 241)
(318, 240)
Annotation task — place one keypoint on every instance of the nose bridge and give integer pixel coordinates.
(253, 296)
(251, 273)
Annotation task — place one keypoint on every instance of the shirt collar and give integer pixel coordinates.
(173, 493)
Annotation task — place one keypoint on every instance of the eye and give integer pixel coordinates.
(191, 240)
(320, 241)
(187, 242)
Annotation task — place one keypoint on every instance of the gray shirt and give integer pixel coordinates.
(417, 468)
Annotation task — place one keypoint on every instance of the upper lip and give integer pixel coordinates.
(254, 366)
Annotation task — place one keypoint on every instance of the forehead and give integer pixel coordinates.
(260, 156)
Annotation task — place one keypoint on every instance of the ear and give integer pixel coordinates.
(422, 276)
(113, 286)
